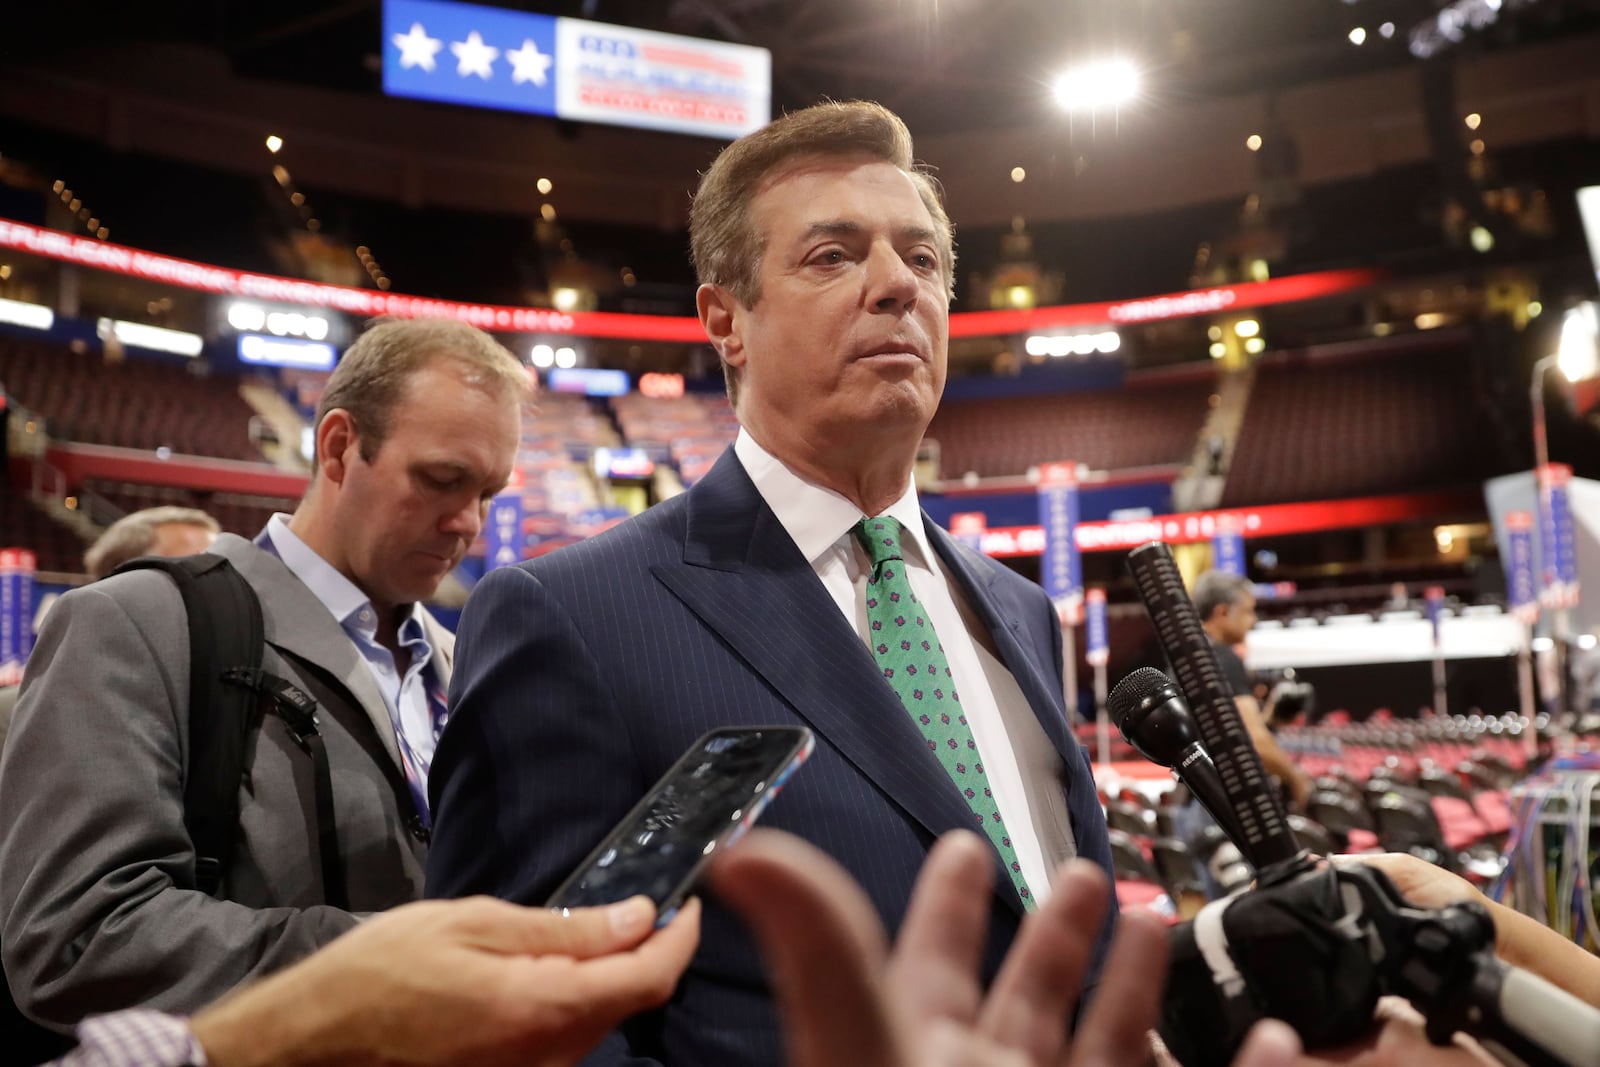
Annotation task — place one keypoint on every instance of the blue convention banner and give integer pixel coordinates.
(1099, 651)
(10, 617)
(1566, 545)
(466, 54)
(1558, 560)
(504, 534)
(1522, 588)
(1061, 568)
(1227, 551)
(1433, 601)
(573, 69)
(25, 574)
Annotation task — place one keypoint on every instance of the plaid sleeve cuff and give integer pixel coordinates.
(135, 1039)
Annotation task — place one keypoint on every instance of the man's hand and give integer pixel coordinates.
(1519, 940)
(474, 981)
(845, 999)
(1398, 1040)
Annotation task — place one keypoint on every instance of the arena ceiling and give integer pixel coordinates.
(946, 65)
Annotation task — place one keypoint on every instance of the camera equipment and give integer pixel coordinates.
(1288, 697)
(1316, 946)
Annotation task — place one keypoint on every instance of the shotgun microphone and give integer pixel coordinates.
(1262, 824)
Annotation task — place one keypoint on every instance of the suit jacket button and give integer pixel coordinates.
(418, 830)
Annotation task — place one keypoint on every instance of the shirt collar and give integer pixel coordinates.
(816, 518)
(344, 601)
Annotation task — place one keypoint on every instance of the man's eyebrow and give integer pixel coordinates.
(454, 466)
(831, 228)
(846, 228)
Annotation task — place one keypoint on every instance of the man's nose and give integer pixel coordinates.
(466, 521)
(893, 284)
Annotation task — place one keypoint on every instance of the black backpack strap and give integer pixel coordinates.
(227, 689)
(225, 630)
(298, 710)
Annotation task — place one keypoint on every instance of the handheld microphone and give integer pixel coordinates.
(1151, 713)
(1258, 814)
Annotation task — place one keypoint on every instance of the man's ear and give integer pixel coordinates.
(719, 314)
(336, 438)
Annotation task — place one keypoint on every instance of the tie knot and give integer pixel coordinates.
(881, 538)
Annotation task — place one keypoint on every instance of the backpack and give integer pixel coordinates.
(228, 695)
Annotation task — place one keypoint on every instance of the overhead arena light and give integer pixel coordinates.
(1101, 84)
(33, 316)
(252, 318)
(154, 338)
(296, 324)
(1081, 344)
(247, 317)
(1579, 353)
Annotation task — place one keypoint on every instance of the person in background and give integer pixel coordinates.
(164, 531)
(1227, 607)
(101, 898)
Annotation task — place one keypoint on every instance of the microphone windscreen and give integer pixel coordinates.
(1132, 691)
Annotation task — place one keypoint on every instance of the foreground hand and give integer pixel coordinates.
(474, 981)
(1519, 940)
(1398, 1041)
(1424, 884)
(845, 999)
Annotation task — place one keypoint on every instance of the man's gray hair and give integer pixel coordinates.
(1215, 589)
(132, 535)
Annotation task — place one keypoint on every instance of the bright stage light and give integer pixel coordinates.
(1094, 86)
(1579, 353)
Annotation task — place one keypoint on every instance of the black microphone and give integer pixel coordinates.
(1258, 814)
(1151, 713)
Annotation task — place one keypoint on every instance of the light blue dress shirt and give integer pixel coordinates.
(411, 713)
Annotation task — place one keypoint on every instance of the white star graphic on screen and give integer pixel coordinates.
(474, 57)
(417, 49)
(529, 64)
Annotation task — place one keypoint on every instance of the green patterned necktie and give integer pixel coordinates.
(907, 648)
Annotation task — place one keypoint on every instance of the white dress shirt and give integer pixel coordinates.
(1021, 765)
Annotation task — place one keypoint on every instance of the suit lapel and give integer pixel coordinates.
(299, 625)
(1037, 684)
(744, 578)
(443, 643)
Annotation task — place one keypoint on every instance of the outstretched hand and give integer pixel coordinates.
(845, 998)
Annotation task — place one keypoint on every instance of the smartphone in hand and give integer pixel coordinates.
(702, 804)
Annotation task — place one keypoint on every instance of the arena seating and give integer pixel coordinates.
(1147, 423)
(692, 430)
(237, 513)
(25, 525)
(1359, 423)
(135, 403)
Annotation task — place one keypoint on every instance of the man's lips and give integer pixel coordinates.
(893, 350)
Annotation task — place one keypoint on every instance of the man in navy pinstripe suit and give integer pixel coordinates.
(826, 261)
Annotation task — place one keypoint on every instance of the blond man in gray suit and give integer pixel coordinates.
(101, 907)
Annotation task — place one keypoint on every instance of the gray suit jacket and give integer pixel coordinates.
(97, 894)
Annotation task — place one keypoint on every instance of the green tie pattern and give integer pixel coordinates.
(907, 648)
